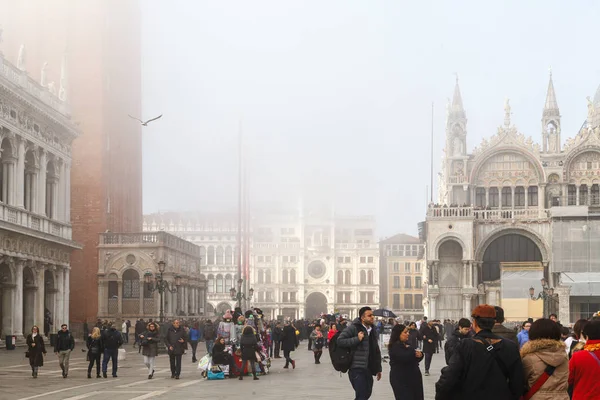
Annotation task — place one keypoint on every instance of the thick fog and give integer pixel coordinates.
(334, 97)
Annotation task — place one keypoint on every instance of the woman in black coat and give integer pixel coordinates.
(289, 342)
(95, 349)
(414, 337)
(249, 347)
(220, 356)
(35, 350)
(405, 375)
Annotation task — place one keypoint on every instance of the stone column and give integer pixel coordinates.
(465, 273)
(18, 299)
(512, 197)
(433, 306)
(542, 196)
(102, 297)
(60, 297)
(142, 297)
(563, 295)
(526, 197)
(40, 296)
(67, 191)
(467, 304)
(67, 293)
(119, 297)
(20, 200)
(5, 182)
(11, 182)
(41, 198)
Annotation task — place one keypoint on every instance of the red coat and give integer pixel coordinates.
(583, 374)
(331, 334)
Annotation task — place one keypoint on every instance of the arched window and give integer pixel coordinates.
(220, 256)
(293, 276)
(203, 255)
(131, 284)
(519, 196)
(261, 276)
(506, 197)
(493, 197)
(268, 276)
(210, 256)
(340, 277)
(284, 276)
(583, 195)
(370, 277)
(228, 255)
(480, 197)
(210, 283)
(363, 277)
(228, 282)
(348, 277)
(219, 283)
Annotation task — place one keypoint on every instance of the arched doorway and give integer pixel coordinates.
(222, 308)
(508, 248)
(6, 286)
(448, 278)
(316, 303)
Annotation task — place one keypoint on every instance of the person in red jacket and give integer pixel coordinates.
(584, 366)
(332, 332)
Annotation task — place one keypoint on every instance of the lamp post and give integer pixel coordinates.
(547, 295)
(238, 295)
(161, 285)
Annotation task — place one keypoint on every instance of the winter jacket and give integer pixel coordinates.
(36, 353)
(249, 346)
(194, 335)
(277, 333)
(539, 354)
(505, 333)
(330, 334)
(367, 354)
(414, 336)
(475, 372)
(209, 331)
(172, 340)
(583, 374)
(95, 347)
(429, 333)
(523, 337)
(452, 344)
(220, 355)
(405, 375)
(318, 342)
(289, 339)
(64, 341)
(112, 339)
(149, 342)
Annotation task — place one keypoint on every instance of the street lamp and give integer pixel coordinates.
(161, 285)
(547, 295)
(238, 296)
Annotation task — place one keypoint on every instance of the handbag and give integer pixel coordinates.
(215, 375)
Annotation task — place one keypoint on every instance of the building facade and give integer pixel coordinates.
(512, 212)
(402, 276)
(126, 259)
(100, 39)
(301, 262)
(36, 135)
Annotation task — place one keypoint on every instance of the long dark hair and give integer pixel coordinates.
(395, 335)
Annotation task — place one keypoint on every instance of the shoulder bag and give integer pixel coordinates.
(539, 382)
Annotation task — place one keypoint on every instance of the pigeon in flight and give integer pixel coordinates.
(145, 123)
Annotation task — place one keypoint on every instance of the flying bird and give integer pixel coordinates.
(145, 123)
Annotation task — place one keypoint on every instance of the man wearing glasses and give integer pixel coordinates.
(63, 347)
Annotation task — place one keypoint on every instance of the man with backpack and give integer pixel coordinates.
(360, 341)
(485, 366)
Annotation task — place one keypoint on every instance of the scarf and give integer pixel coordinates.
(33, 335)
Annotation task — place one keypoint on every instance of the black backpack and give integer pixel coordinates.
(341, 357)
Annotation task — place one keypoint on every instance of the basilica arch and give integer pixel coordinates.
(316, 303)
(523, 231)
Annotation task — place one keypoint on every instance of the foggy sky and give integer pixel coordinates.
(335, 96)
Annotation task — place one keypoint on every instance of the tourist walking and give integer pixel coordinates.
(175, 341)
(584, 366)
(405, 375)
(318, 341)
(361, 337)
(209, 336)
(36, 350)
(484, 367)
(289, 343)
(277, 334)
(430, 337)
(149, 341)
(545, 362)
(112, 341)
(64, 345)
(523, 336)
(249, 347)
(95, 349)
(414, 336)
(194, 335)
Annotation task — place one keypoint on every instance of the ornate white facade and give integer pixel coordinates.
(505, 202)
(301, 263)
(35, 231)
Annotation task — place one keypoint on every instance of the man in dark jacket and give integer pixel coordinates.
(500, 329)
(175, 340)
(289, 343)
(430, 339)
(140, 327)
(112, 340)
(277, 333)
(484, 367)
(361, 337)
(209, 336)
(63, 347)
(460, 333)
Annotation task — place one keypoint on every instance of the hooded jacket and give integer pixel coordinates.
(367, 354)
(536, 356)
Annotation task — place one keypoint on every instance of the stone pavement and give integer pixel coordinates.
(307, 381)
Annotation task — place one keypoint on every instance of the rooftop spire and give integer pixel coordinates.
(457, 110)
(551, 103)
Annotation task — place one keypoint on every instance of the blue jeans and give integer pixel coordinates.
(362, 383)
(113, 355)
(209, 346)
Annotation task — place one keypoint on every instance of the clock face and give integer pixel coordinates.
(316, 269)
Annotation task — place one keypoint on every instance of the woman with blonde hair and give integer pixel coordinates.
(95, 349)
(35, 350)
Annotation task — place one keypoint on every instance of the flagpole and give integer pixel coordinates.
(431, 170)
